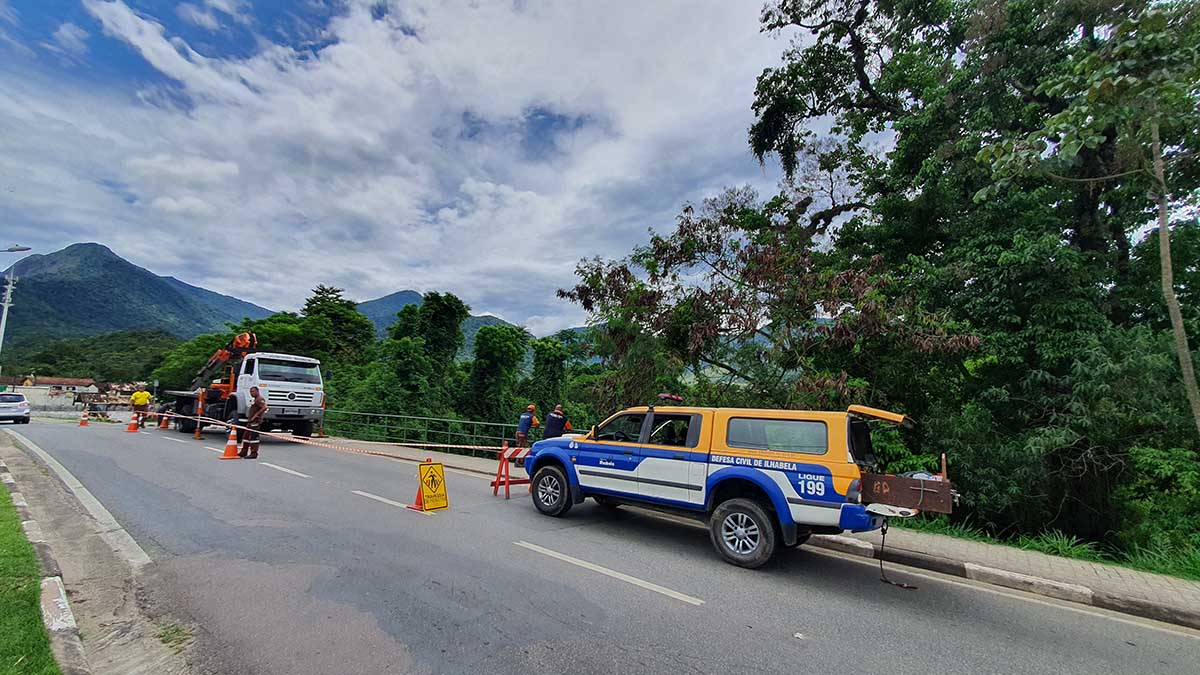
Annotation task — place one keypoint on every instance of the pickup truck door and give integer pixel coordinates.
(610, 460)
(673, 466)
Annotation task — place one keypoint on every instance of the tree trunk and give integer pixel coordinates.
(1168, 282)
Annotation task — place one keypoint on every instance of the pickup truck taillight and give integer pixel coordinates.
(854, 492)
(23, 404)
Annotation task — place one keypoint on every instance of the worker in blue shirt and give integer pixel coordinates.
(527, 421)
(556, 423)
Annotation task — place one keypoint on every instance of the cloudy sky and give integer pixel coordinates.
(258, 149)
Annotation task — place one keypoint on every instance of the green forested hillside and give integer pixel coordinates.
(86, 289)
(112, 357)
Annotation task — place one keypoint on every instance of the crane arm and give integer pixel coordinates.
(237, 348)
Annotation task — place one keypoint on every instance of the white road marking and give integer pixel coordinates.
(177, 440)
(611, 573)
(108, 527)
(216, 450)
(385, 500)
(285, 469)
(1017, 595)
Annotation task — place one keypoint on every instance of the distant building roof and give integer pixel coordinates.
(63, 381)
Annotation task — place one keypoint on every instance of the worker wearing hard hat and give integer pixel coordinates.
(556, 423)
(527, 421)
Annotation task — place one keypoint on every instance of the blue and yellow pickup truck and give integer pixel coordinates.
(762, 479)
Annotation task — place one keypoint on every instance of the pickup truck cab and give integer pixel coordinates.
(762, 479)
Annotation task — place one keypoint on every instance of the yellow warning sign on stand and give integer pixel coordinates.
(433, 487)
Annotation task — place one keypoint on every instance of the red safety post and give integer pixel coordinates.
(503, 471)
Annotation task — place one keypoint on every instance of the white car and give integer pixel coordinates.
(14, 408)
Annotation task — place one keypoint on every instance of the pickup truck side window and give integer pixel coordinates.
(249, 367)
(671, 430)
(802, 436)
(622, 429)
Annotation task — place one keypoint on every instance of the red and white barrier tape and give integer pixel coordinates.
(329, 446)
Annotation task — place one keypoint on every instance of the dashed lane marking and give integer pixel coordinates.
(682, 597)
(385, 500)
(177, 440)
(285, 469)
(216, 450)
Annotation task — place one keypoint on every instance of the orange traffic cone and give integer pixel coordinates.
(231, 446)
(419, 503)
(198, 435)
(83, 419)
(164, 422)
(133, 425)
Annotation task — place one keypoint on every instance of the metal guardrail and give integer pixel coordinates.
(389, 428)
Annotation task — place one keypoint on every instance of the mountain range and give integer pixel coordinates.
(86, 289)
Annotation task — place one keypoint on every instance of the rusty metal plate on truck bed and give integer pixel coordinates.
(913, 493)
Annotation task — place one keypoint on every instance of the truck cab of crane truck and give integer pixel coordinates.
(291, 385)
(780, 474)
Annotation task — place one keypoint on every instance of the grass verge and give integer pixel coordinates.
(174, 636)
(24, 646)
(1184, 563)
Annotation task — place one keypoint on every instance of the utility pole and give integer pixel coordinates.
(7, 302)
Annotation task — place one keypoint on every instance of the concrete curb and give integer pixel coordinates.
(57, 617)
(110, 530)
(1022, 582)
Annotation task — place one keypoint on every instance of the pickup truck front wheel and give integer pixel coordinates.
(551, 492)
(743, 533)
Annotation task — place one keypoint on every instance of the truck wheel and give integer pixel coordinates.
(187, 426)
(743, 533)
(551, 492)
(303, 429)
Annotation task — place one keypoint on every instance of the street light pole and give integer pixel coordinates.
(7, 302)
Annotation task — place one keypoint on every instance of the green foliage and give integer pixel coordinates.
(352, 332)
(1056, 543)
(180, 364)
(491, 390)
(940, 524)
(113, 357)
(544, 387)
(25, 648)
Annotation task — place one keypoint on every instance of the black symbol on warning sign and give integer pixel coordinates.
(432, 482)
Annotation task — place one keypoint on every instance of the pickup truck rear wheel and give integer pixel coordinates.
(743, 533)
(551, 492)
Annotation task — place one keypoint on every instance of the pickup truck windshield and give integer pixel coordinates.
(288, 371)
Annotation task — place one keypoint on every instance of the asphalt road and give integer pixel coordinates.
(293, 569)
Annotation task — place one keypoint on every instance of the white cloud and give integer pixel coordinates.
(205, 15)
(7, 13)
(479, 149)
(197, 15)
(187, 205)
(69, 40)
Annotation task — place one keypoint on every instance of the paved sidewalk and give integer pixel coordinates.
(1111, 580)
